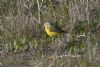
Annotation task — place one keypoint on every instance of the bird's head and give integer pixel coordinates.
(47, 24)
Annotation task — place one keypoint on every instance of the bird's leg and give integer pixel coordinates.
(53, 40)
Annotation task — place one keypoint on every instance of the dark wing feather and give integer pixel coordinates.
(57, 29)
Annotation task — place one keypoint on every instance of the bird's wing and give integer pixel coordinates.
(56, 29)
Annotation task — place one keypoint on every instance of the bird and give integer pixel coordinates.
(53, 30)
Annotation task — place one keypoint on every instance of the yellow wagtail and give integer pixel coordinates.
(52, 30)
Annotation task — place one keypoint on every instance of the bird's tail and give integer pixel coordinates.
(65, 31)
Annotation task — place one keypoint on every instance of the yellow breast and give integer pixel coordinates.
(51, 33)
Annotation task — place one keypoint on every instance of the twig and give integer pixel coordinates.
(88, 41)
(83, 35)
(35, 19)
(97, 27)
(38, 11)
(73, 56)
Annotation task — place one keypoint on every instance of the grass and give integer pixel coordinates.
(23, 40)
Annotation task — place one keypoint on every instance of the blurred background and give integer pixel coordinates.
(24, 43)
